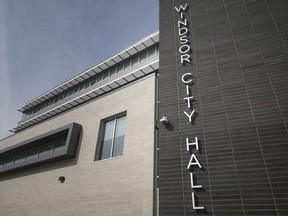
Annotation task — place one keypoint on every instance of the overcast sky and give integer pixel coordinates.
(46, 42)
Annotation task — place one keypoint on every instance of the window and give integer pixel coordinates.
(127, 64)
(99, 78)
(106, 75)
(120, 67)
(87, 83)
(32, 154)
(113, 71)
(9, 161)
(19, 158)
(55, 145)
(135, 60)
(59, 145)
(93, 80)
(46, 150)
(143, 56)
(1, 163)
(112, 139)
(151, 51)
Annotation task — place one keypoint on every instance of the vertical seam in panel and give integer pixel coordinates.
(223, 100)
(274, 21)
(280, 35)
(270, 184)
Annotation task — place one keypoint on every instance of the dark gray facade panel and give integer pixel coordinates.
(239, 67)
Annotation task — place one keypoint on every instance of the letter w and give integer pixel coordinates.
(181, 8)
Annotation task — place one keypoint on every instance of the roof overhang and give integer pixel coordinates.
(137, 47)
(116, 83)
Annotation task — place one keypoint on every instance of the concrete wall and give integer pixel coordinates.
(117, 186)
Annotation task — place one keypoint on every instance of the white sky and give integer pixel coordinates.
(46, 42)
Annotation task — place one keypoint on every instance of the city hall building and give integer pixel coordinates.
(188, 121)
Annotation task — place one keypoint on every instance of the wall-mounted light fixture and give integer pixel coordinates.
(164, 120)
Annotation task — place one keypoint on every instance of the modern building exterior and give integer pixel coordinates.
(188, 121)
(86, 147)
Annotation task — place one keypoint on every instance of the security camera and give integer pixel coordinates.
(164, 120)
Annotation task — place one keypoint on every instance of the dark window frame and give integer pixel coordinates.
(71, 133)
(101, 135)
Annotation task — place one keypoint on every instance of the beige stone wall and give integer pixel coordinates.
(119, 186)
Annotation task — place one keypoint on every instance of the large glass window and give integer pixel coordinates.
(58, 144)
(112, 142)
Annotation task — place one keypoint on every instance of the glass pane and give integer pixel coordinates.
(118, 146)
(109, 127)
(135, 60)
(32, 154)
(127, 64)
(76, 89)
(59, 145)
(1, 163)
(120, 67)
(46, 150)
(119, 137)
(151, 51)
(113, 71)
(65, 94)
(87, 83)
(143, 56)
(93, 80)
(120, 126)
(70, 92)
(9, 161)
(82, 86)
(106, 75)
(99, 77)
(106, 149)
(19, 158)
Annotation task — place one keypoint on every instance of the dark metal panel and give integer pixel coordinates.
(239, 64)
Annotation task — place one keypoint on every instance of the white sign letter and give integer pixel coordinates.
(187, 90)
(184, 78)
(185, 57)
(183, 39)
(181, 8)
(190, 144)
(183, 23)
(193, 203)
(189, 116)
(180, 32)
(192, 182)
(184, 48)
(188, 100)
(196, 162)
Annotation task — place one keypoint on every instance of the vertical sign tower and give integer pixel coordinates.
(223, 88)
